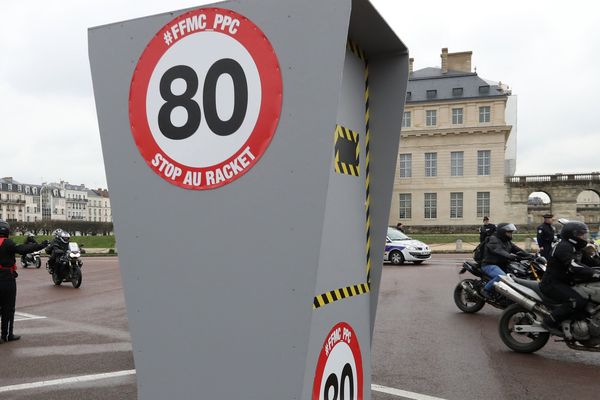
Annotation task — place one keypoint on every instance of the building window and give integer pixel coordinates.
(484, 89)
(431, 94)
(456, 163)
(456, 205)
(430, 164)
(483, 162)
(405, 165)
(408, 96)
(9, 187)
(457, 116)
(405, 206)
(457, 91)
(430, 206)
(406, 119)
(431, 117)
(483, 204)
(484, 114)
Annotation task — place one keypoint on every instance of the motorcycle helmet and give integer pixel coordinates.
(505, 230)
(29, 234)
(64, 237)
(577, 233)
(4, 229)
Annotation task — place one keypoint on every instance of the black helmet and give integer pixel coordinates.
(4, 229)
(575, 232)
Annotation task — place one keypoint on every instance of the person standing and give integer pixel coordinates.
(546, 233)
(400, 227)
(487, 229)
(8, 283)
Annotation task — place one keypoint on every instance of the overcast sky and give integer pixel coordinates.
(548, 53)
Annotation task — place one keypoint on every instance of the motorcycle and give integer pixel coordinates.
(67, 267)
(468, 295)
(521, 326)
(32, 258)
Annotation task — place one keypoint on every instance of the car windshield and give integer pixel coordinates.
(395, 234)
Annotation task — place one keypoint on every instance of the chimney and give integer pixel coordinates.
(460, 61)
(410, 65)
(444, 56)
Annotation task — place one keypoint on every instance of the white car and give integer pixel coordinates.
(400, 248)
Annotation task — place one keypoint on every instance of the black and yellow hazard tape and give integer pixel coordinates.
(347, 152)
(357, 51)
(339, 294)
(363, 288)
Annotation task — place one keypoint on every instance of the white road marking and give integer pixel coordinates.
(402, 393)
(117, 374)
(21, 316)
(72, 350)
(75, 379)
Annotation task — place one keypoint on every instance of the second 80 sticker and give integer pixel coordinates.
(205, 98)
(339, 373)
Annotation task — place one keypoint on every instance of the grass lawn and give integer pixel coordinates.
(106, 242)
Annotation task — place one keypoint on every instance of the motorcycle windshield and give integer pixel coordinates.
(73, 247)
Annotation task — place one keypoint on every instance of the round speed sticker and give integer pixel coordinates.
(339, 373)
(205, 98)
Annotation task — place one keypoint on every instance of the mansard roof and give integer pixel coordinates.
(453, 85)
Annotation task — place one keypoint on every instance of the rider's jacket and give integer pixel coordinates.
(56, 248)
(498, 251)
(566, 265)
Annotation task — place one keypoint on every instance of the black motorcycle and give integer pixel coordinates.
(67, 267)
(468, 295)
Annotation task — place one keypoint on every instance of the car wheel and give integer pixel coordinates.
(396, 257)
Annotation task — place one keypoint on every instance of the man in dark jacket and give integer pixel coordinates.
(565, 268)
(486, 229)
(498, 253)
(545, 236)
(8, 284)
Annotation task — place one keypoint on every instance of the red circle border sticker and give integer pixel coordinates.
(339, 372)
(207, 150)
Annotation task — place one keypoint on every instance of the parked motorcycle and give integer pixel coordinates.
(468, 295)
(521, 327)
(67, 267)
(32, 258)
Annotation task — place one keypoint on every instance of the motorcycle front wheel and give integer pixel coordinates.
(56, 279)
(528, 342)
(465, 301)
(38, 262)
(76, 278)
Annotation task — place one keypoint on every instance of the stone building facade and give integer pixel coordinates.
(453, 156)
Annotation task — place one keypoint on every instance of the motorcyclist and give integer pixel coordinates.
(8, 284)
(58, 247)
(566, 268)
(498, 253)
(30, 239)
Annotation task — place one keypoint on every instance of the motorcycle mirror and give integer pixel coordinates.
(563, 221)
